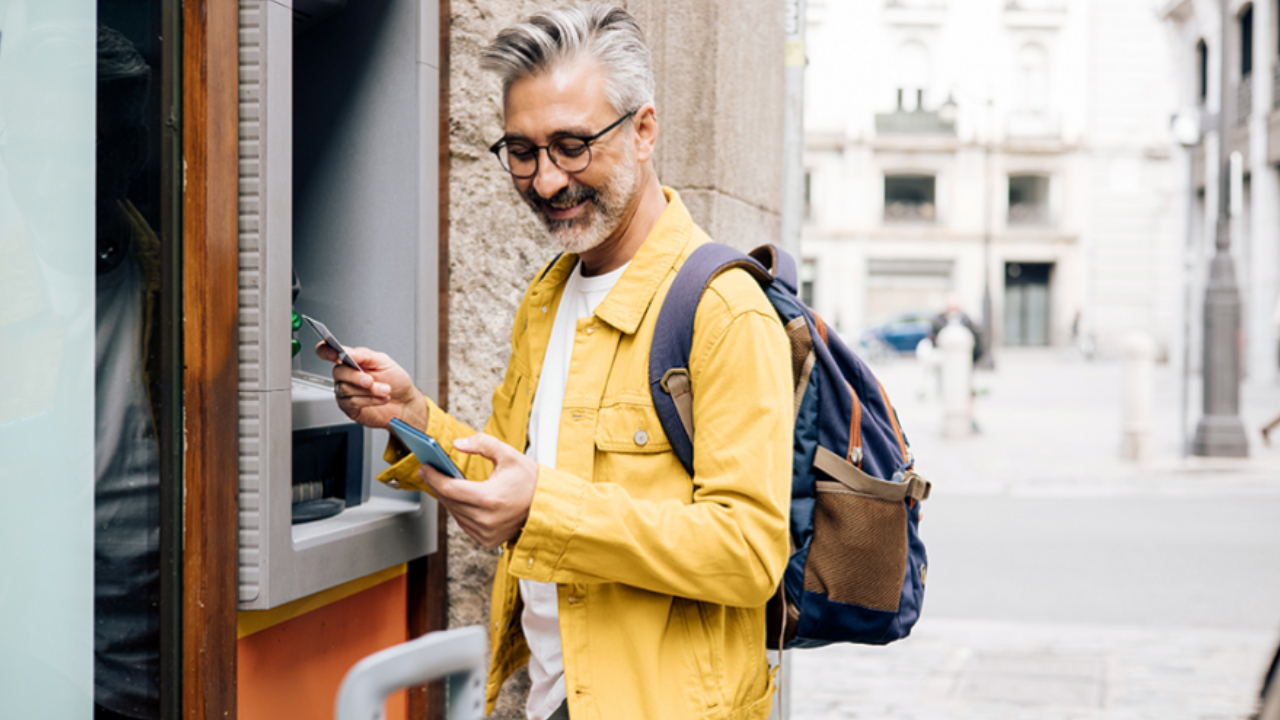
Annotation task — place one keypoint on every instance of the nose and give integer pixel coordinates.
(550, 179)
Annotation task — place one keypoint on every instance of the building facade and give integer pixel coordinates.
(1252, 53)
(1021, 146)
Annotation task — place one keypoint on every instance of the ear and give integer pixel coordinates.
(646, 125)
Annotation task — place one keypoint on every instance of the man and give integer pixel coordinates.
(631, 589)
(126, 449)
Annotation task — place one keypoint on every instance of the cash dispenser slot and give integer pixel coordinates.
(326, 471)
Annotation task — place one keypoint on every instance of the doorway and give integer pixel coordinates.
(1026, 304)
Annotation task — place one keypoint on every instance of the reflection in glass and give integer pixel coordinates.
(127, 392)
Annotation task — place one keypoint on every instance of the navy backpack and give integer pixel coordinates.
(857, 567)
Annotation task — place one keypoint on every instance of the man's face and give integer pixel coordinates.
(580, 210)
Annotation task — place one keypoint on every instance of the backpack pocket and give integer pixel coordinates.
(858, 553)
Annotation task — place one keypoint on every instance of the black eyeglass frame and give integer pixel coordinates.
(497, 147)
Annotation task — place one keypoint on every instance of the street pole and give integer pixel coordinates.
(793, 190)
(793, 130)
(1187, 265)
(1220, 432)
(986, 359)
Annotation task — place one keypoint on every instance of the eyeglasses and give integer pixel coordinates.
(570, 154)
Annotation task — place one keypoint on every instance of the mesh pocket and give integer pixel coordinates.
(858, 554)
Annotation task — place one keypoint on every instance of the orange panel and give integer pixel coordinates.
(292, 670)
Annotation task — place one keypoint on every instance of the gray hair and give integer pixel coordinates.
(605, 33)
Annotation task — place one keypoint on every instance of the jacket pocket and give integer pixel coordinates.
(633, 451)
(630, 428)
(858, 554)
(700, 642)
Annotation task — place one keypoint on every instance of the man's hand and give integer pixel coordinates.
(381, 392)
(491, 512)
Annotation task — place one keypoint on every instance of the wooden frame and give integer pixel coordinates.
(210, 147)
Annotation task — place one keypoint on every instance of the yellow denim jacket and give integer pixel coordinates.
(663, 579)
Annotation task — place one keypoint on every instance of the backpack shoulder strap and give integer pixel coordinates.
(669, 382)
(780, 265)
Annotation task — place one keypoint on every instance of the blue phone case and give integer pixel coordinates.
(424, 447)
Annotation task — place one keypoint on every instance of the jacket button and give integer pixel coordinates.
(393, 483)
(641, 438)
(544, 309)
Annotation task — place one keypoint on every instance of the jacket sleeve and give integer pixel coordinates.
(446, 429)
(729, 545)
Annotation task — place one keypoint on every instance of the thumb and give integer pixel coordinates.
(484, 445)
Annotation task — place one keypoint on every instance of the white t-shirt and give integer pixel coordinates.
(541, 618)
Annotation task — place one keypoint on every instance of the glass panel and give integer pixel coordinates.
(47, 335)
(129, 415)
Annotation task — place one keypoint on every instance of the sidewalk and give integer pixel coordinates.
(1050, 427)
(1050, 423)
(977, 670)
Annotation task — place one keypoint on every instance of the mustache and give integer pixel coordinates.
(566, 196)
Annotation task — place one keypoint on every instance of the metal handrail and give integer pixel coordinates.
(457, 655)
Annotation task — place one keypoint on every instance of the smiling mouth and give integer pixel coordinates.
(564, 210)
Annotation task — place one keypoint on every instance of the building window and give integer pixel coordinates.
(910, 198)
(1028, 200)
(1246, 41)
(1202, 69)
(808, 276)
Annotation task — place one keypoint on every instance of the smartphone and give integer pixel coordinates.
(424, 447)
(332, 342)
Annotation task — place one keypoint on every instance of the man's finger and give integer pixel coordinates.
(484, 445)
(370, 360)
(326, 353)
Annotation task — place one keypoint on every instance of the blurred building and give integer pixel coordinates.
(1022, 145)
(1253, 56)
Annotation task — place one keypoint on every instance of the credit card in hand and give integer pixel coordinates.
(332, 342)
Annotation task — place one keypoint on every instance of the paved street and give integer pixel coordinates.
(1064, 581)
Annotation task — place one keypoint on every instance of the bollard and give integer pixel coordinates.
(956, 345)
(1139, 361)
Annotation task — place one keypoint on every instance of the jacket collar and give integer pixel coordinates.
(625, 306)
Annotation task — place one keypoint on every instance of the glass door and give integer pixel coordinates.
(88, 424)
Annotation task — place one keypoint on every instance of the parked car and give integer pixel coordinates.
(899, 334)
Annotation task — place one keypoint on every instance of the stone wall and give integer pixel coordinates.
(719, 68)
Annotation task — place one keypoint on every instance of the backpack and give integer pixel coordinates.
(857, 567)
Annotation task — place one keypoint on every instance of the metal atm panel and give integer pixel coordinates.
(338, 168)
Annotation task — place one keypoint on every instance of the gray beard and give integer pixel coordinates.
(601, 217)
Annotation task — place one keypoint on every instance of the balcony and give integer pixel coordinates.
(915, 122)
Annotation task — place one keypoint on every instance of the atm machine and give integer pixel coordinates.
(338, 187)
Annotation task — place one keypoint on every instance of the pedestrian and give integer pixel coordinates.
(631, 589)
(954, 311)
